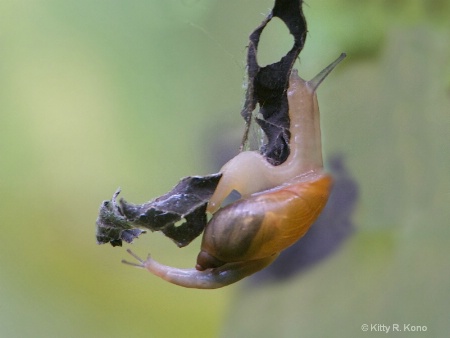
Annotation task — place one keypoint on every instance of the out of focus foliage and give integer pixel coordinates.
(85, 90)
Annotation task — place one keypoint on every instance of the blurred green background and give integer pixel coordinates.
(100, 94)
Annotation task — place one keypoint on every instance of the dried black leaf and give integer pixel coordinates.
(267, 86)
(188, 200)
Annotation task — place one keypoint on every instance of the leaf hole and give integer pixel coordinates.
(275, 42)
(180, 222)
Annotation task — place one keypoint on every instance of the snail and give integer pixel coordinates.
(277, 207)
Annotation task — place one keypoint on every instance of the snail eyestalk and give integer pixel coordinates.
(317, 80)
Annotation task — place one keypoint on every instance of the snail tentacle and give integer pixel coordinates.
(140, 260)
(317, 80)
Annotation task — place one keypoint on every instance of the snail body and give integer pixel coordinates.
(278, 204)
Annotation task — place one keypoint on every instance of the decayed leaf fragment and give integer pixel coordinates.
(188, 199)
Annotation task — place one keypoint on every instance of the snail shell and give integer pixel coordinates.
(264, 224)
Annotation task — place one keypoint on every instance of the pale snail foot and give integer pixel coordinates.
(208, 279)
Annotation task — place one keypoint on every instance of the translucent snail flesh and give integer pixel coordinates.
(278, 204)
